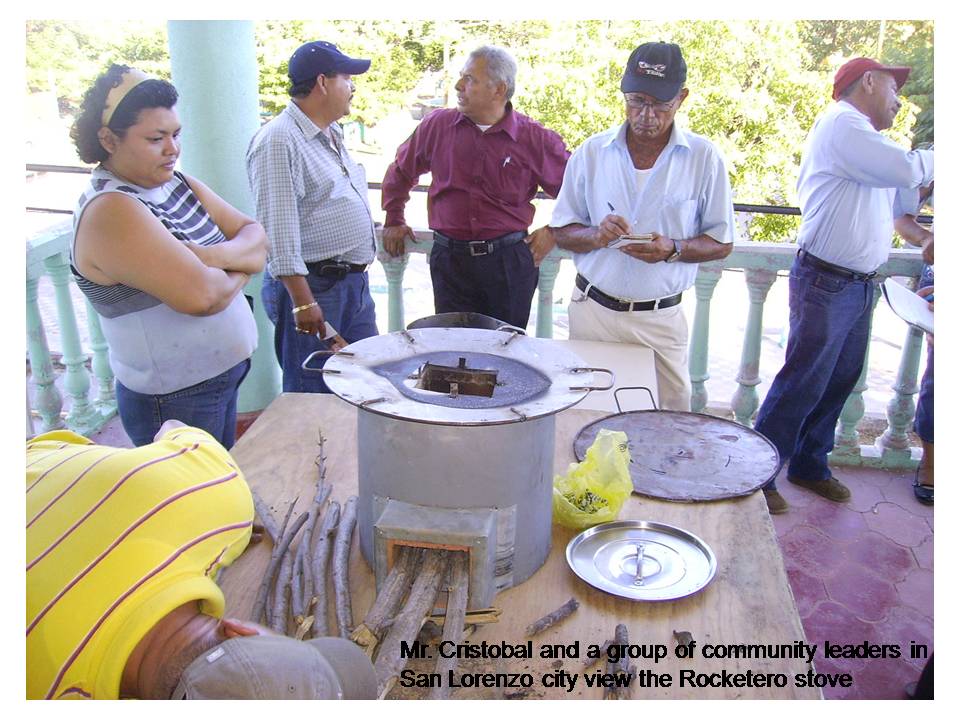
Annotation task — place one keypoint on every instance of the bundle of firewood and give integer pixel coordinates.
(293, 595)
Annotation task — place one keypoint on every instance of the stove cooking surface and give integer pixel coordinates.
(517, 382)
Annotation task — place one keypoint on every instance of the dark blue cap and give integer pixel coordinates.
(322, 58)
(656, 69)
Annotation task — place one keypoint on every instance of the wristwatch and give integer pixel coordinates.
(675, 255)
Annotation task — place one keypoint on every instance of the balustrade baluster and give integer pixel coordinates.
(82, 416)
(894, 444)
(549, 268)
(707, 278)
(745, 399)
(100, 363)
(394, 268)
(48, 400)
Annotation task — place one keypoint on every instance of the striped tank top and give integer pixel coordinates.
(153, 348)
(116, 539)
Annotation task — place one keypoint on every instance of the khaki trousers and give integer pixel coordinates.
(663, 331)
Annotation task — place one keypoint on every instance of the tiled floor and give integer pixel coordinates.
(862, 571)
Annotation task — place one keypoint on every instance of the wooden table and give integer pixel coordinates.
(748, 602)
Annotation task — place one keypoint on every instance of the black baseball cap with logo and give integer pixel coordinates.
(657, 69)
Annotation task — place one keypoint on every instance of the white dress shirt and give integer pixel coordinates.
(686, 194)
(848, 187)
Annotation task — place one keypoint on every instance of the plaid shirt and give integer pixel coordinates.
(311, 197)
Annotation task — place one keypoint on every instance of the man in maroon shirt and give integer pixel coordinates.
(487, 161)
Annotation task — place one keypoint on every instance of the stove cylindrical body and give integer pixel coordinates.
(455, 442)
(507, 468)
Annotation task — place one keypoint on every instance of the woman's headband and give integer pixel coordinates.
(129, 80)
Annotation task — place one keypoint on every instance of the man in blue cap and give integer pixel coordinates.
(648, 177)
(311, 197)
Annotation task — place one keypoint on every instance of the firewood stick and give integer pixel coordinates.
(395, 587)
(323, 492)
(622, 639)
(275, 560)
(297, 603)
(321, 559)
(459, 577)
(266, 517)
(553, 618)
(267, 608)
(301, 576)
(341, 566)
(407, 623)
(278, 621)
(303, 549)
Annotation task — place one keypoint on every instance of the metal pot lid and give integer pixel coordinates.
(688, 457)
(386, 374)
(642, 560)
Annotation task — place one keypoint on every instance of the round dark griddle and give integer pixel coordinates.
(688, 457)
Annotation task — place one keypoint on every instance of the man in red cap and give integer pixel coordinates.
(848, 186)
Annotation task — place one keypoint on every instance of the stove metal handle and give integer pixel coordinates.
(587, 388)
(311, 356)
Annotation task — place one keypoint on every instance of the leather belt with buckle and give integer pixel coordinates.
(334, 268)
(828, 267)
(478, 248)
(612, 303)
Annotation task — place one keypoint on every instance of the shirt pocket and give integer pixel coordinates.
(513, 181)
(679, 219)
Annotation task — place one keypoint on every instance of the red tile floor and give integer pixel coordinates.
(862, 571)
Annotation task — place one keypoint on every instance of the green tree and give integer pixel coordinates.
(893, 42)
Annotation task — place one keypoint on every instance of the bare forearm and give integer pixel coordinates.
(298, 289)
(703, 248)
(219, 291)
(577, 238)
(245, 252)
(910, 230)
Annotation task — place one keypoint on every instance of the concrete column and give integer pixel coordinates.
(214, 66)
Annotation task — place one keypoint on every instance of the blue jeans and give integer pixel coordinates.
(829, 331)
(923, 421)
(347, 305)
(210, 405)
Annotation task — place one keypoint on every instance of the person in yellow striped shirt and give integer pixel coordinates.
(123, 549)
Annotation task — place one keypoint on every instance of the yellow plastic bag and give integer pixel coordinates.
(593, 491)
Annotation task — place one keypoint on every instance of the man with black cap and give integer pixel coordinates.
(486, 162)
(850, 175)
(311, 197)
(123, 548)
(651, 178)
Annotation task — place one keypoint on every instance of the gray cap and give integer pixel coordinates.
(273, 667)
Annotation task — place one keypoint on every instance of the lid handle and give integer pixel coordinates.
(633, 387)
(587, 388)
(315, 353)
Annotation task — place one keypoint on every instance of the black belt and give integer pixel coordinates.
(815, 262)
(476, 248)
(612, 303)
(334, 268)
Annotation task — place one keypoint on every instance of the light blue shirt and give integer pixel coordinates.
(686, 194)
(848, 186)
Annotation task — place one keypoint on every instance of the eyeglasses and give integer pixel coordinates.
(635, 101)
